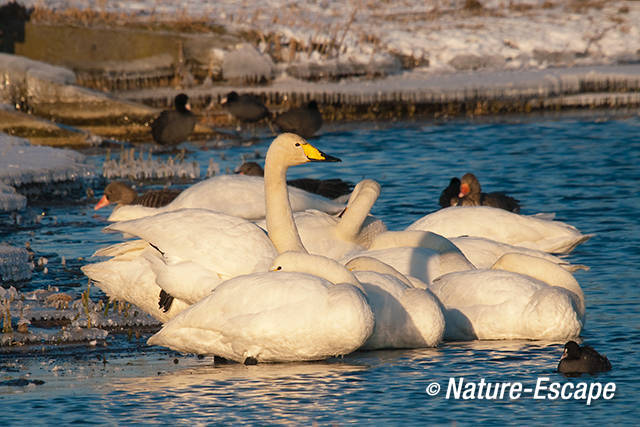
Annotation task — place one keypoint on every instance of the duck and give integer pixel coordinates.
(405, 317)
(582, 360)
(502, 226)
(502, 303)
(172, 127)
(304, 121)
(200, 248)
(235, 195)
(471, 195)
(246, 108)
(329, 188)
(122, 194)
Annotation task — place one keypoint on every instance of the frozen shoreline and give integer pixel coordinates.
(22, 163)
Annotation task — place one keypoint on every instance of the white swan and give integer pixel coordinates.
(236, 195)
(276, 316)
(483, 252)
(405, 317)
(420, 254)
(272, 317)
(502, 226)
(191, 243)
(500, 304)
(127, 277)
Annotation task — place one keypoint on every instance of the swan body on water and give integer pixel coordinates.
(235, 195)
(503, 226)
(500, 304)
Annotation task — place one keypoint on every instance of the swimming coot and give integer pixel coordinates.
(172, 127)
(304, 121)
(580, 360)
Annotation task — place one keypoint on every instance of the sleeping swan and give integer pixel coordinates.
(405, 317)
(501, 304)
(502, 226)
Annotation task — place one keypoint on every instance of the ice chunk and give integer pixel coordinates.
(22, 163)
(14, 263)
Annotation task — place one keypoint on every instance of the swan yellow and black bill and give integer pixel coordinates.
(315, 155)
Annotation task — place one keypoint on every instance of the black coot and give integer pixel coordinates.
(246, 108)
(172, 127)
(580, 360)
(449, 196)
(304, 121)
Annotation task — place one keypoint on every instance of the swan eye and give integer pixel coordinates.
(278, 268)
(297, 144)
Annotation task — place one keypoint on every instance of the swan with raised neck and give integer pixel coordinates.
(286, 150)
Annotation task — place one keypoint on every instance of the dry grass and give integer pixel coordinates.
(99, 18)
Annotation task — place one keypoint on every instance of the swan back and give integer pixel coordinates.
(545, 271)
(272, 317)
(496, 304)
(483, 252)
(225, 244)
(237, 195)
(503, 226)
(316, 265)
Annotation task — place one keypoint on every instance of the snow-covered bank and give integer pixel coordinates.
(436, 36)
(605, 85)
(22, 163)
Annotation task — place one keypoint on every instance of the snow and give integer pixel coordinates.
(22, 163)
(504, 34)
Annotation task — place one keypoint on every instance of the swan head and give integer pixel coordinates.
(294, 150)
(315, 265)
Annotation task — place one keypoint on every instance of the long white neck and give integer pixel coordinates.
(360, 203)
(324, 267)
(280, 224)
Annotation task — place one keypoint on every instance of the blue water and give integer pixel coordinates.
(586, 170)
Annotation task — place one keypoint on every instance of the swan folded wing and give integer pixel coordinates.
(185, 280)
(130, 248)
(405, 317)
(292, 317)
(493, 304)
(502, 226)
(131, 280)
(483, 252)
(225, 244)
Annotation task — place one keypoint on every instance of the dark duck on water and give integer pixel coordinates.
(582, 360)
